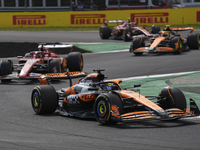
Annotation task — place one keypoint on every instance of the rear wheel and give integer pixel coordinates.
(75, 61)
(6, 67)
(127, 34)
(177, 44)
(105, 32)
(44, 99)
(102, 108)
(155, 29)
(173, 98)
(193, 41)
(54, 66)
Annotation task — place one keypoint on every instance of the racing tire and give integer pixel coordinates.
(102, 108)
(177, 44)
(125, 33)
(75, 61)
(155, 29)
(6, 67)
(44, 99)
(136, 43)
(105, 32)
(54, 66)
(174, 98)
(193, 40)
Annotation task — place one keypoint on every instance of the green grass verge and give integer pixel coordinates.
(75, 28)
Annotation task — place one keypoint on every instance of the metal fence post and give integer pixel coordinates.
(118, 4)
(71, 5)
(25, 3)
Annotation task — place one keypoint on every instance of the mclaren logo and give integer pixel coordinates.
(142, 18)
(88, 19)
(28, 20)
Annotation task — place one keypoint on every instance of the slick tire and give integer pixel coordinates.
(102, 108)
(155, 29)
(105, 32)
(174, 98)
(44, 99)
(6, 67)
(75, 61)
(177, 44)
(136, 43)
(127, 32)
(54, 66)
(193, 40)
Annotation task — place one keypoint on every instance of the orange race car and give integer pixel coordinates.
(167, 41)
(93, 97)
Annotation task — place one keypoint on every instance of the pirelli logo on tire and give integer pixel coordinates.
(88, 19)
(150, 18)
(29, 20)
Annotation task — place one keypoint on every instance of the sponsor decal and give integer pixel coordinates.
(198, 16)
(28, 20)
(87, 97)
(151, 18)
(88, 19)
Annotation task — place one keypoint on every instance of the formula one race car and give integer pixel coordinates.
(167, 41)
(106, 101)
(125, 30)
(35, 63)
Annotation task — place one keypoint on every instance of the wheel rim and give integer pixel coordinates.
(101, 109)
(35, 99)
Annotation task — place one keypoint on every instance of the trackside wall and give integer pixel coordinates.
(183, 16)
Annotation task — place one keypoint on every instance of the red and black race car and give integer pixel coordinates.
(93, 97)
(35, 63)
(125, 30)
(167, 41)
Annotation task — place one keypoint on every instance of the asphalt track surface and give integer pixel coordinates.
(21, 128)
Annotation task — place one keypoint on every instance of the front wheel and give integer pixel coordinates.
(127, 34)
(75, 61)
(102, 108)
(44, 99)
(136, 43)
(105, 32)
(54, 66)
(172, 98)
(6, 67)
(177, 44)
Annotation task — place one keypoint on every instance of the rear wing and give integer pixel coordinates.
(182, 29)
(66, 75)
(53, 46)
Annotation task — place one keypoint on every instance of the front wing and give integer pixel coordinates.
(154, 50)
(168, 114)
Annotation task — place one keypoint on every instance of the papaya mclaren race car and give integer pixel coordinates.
(167, 41)
(125, 30)
(92, 97)
(35, 63)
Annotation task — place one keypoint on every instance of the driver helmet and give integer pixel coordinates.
(106, 86)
